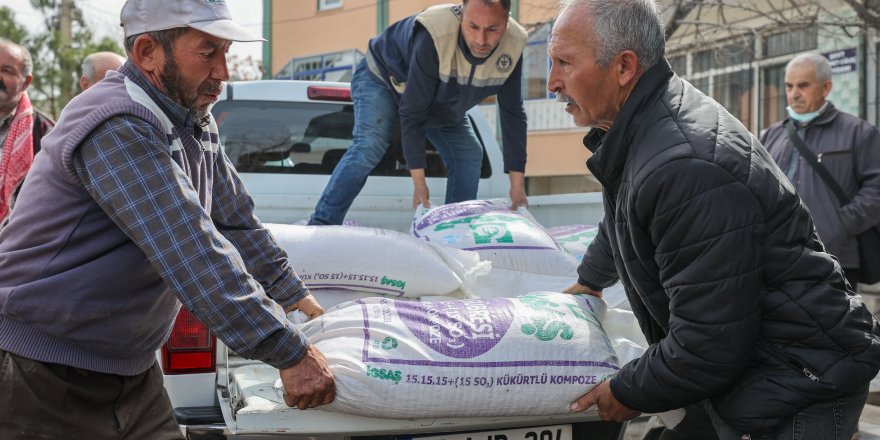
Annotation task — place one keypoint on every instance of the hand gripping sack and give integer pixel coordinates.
(530, 355)
(377, 261)
(509, 239)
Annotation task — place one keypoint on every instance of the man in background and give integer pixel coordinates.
(424, 73)
(847, 146)
(95, 67)
(22, 126)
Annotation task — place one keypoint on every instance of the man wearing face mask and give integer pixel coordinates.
(423, 73)
(848, 147)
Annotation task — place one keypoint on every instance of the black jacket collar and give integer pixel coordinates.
(610, 149)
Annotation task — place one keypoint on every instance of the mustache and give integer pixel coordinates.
(562, 97)
(211, 87)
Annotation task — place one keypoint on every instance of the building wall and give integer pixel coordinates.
(749, 82)
(749, 87)
(299, 29)
(398, 10)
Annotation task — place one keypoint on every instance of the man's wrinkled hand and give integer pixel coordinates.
(309, 382)
(308, 305)
(580, 289)
(610, 410)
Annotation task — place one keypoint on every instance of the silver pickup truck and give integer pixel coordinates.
(285, 137)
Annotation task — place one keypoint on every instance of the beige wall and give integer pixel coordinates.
(299, 29)
(556, 153)
(531, 12)
(400, 9)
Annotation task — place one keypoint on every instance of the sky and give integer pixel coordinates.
(102, 17)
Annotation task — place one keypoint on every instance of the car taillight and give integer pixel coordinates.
(329, 93)
(191, 348)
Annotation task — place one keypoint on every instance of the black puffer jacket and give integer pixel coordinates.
(721, 264)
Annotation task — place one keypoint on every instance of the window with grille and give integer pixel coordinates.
(790, 42)
(329, 4)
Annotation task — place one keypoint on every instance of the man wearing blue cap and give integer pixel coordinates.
(131, 210)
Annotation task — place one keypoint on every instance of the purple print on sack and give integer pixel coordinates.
(442, 213)
(458, 329)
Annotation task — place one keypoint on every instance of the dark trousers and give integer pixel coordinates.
(50, 401)
(696, 425)
(835, 419)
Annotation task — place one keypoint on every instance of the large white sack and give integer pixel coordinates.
(506, 283)
(530, 355)
(574, 239)
(375, 261)
(329, 298)
(509, 239)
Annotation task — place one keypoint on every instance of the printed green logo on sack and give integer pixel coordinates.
(574, 239)
(473, 357)
(478, 224)
(549, 320)
(511, 240)
(458, 329)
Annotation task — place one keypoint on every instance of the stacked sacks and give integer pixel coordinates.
(574, 239)
(509, 239)
(374, 261)
(529, 355)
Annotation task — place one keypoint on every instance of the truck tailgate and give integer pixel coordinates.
(253, 406)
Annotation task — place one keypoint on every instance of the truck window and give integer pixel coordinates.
(303, 138)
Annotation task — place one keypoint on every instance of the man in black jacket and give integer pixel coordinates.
(743, 308)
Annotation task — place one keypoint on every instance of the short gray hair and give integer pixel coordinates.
(619, 25)
(166, 39)
(819, 62)
(88, 67)
(27, 65)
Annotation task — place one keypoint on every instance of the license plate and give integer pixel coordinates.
(555, 432)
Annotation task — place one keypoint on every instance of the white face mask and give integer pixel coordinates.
(803, 118)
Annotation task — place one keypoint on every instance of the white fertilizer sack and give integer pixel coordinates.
(375, 261)
(346, 222)
(530, 355)
(509, 239)
(329, 298)
(574, 239)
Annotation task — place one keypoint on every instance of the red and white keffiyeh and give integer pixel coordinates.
(18, 153)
